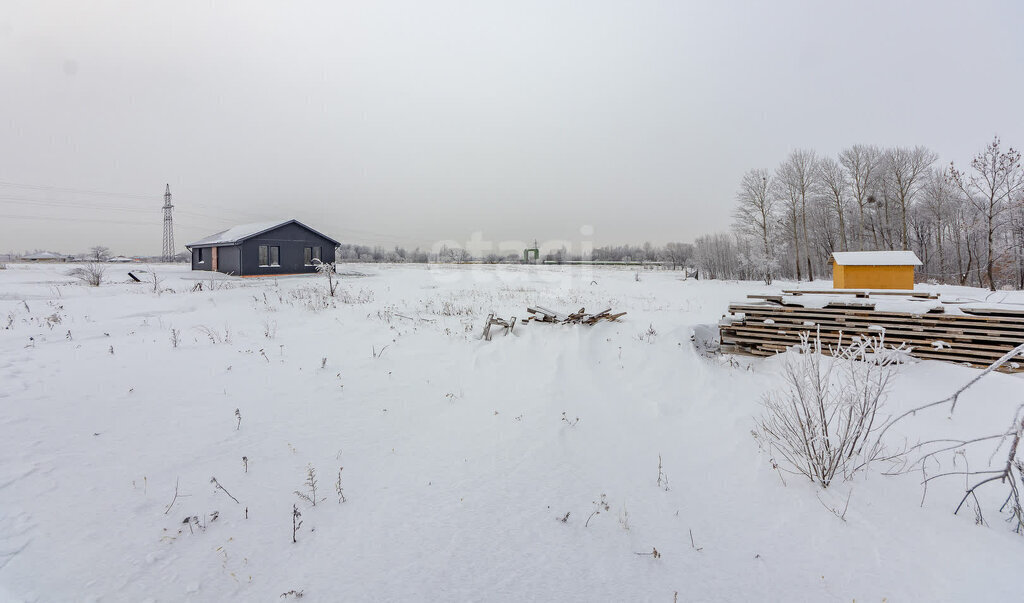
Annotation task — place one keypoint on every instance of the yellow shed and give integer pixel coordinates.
(873, 269)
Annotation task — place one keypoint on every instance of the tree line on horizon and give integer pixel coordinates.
(673, 254)
(966, 224)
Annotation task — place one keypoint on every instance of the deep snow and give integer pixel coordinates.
(457, 462)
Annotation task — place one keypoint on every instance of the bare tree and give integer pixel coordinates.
(100, 253)
(797, 176)
(963, 229)
(1016, 221)
(791, 218)
(715, 256)
(678, 253)
(907, 169)
(755, 214)
(997, 180)
(860, 162)
(938, 200)
(834, 184)
(882, 205)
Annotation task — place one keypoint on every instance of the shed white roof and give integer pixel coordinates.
(876, 258)
(237, 233)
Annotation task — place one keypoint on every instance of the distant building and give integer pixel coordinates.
(874, 269)
(266, 248)
(45, 256)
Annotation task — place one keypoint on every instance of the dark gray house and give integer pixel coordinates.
(265, 248)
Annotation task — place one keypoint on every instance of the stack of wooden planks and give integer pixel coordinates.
(766, 325)
(541, 314)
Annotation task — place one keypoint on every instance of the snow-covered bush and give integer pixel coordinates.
(327, 270)
(312, 298)
(364, 296)
(824, 422)
(155, 280)
(91, 274)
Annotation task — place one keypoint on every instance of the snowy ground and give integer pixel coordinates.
(458, 465)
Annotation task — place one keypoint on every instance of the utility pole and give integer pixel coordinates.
(168, 254)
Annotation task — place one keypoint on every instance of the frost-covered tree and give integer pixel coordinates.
(938, 199)
(797, 176)
(679, 254)
(716, 256)
(834, 186)
(755, 217)
(860, 162)
(99, 253)
(907, 169)
(995, 181)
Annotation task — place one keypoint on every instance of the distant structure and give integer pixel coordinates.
(45, 256)
(168, 254)
(535, 251)
(873, 269)
(266, 248)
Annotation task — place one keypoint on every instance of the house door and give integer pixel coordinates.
(213, 259)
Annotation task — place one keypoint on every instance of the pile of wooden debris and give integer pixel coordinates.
(541, 314)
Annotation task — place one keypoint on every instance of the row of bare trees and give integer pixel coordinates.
(966, 224)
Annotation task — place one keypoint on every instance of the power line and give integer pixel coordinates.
(23, 201)
(75, 204)
(84, 191)
(100, 220)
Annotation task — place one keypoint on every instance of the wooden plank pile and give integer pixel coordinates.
(541, 314)
(766, 325)
(862, 292)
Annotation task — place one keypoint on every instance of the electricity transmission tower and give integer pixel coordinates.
(168, 255)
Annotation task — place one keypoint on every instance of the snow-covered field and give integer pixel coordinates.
(461, 457)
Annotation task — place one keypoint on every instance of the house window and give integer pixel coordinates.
(199, 256)
(270, 256)
(310, 254)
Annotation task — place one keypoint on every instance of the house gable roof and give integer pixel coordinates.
(44, 255)
(237, 234)
(875, 258)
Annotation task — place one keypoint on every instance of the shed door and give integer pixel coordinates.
(213, 259)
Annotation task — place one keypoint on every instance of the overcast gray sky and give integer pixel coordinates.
(412, 122)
